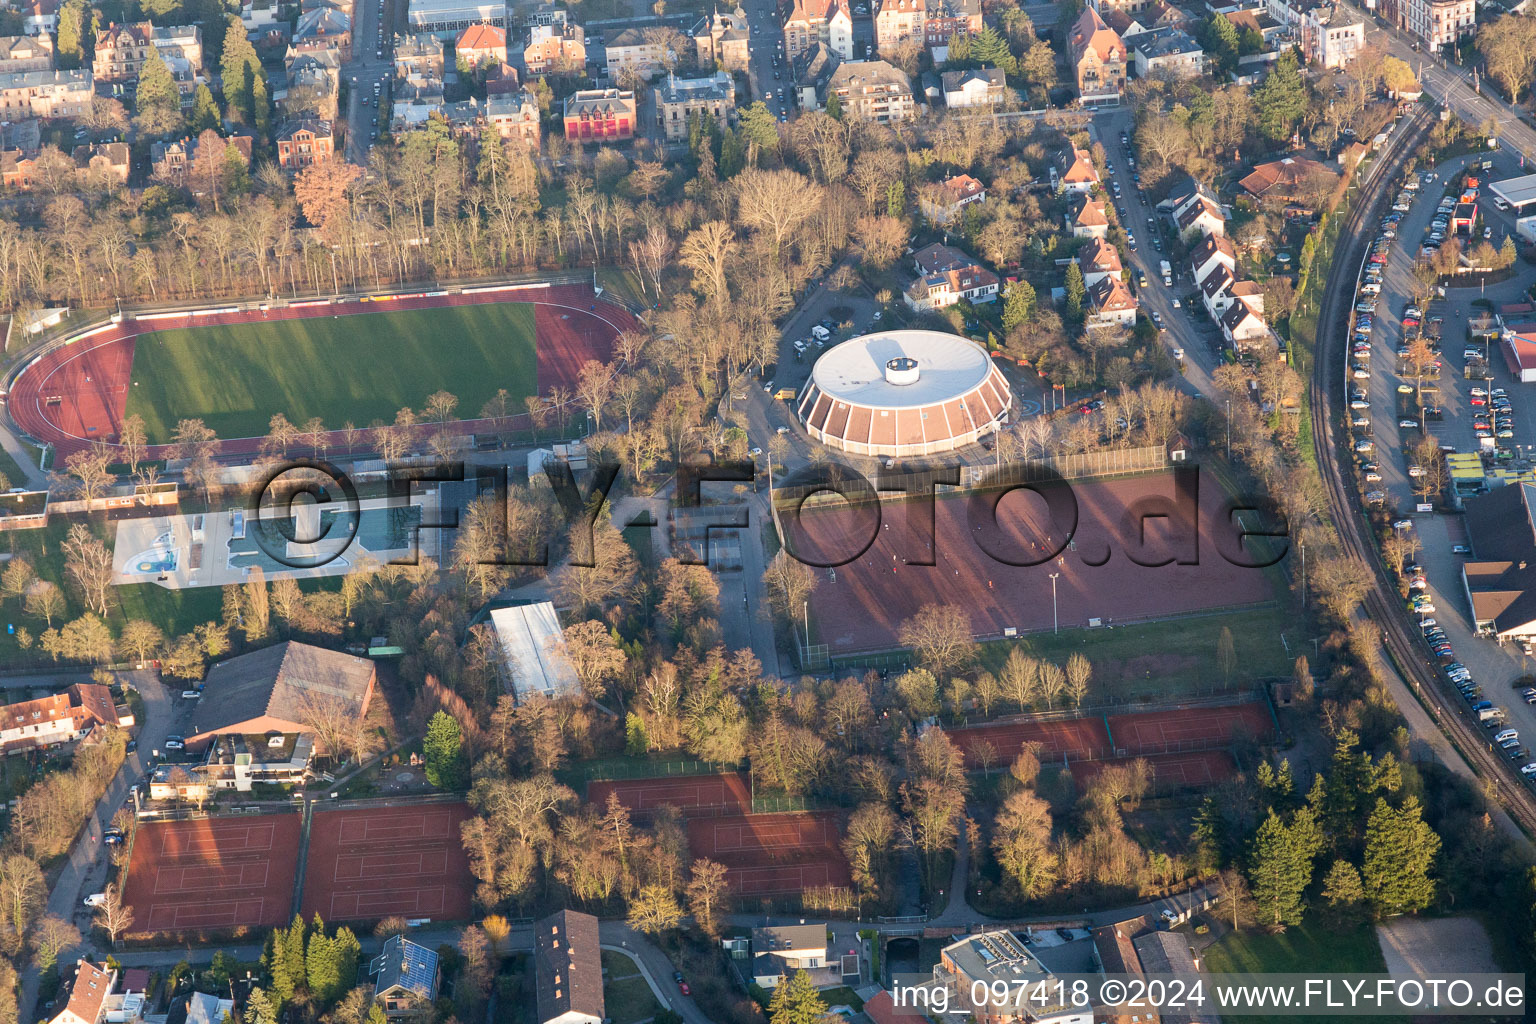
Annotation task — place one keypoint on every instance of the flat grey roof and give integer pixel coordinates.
(1516, 191)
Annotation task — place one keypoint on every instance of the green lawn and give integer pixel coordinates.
(12, 472)
(356, 368)
(629, 1000)
(1171, 658)
(174, 611)
(1312, 948)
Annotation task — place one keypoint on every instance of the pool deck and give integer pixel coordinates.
(211, 532)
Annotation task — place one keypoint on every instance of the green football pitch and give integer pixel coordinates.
(356, 368)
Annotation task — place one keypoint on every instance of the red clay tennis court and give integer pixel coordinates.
(1057, 737)
(773, 854)
(369, 863)
(213, 874)
(1157, 731)
(1199, 769)
(860, 606)
(694, 795)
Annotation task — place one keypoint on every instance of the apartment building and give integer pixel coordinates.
(872, 90)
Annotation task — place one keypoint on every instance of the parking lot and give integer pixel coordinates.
(1462, 401)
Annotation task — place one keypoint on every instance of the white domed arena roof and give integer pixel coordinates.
(899, 393)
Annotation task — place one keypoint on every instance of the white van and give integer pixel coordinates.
(96, 899)
(1506, 736)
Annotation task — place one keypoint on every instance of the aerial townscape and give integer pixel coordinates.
(730, 512)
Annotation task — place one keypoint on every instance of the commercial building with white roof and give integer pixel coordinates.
(903, 393)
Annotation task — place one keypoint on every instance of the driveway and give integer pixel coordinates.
(87, 867)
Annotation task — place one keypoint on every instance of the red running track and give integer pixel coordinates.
(77, 394)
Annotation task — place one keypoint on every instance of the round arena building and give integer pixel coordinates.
(903, 393)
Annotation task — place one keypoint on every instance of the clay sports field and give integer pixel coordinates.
(694, 795)
(1200, 769)
(353, 361)
(1130, 735)
(773, 854)
(213, 874)
(369, 863)
(860, 606)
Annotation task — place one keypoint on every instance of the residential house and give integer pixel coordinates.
(1075, 171)
(18, 169)
(723, 41)
(1212, 251)
(406, 977)
(1439, 23)
(947, 275)
(515, 115)
(943, 19)
(203, 1008)
(568, 970)
(26, 53)
(872, 90)
(1269, 30)
(102, 161)
(942, 203)
(1115, 952)
(178, 783)
(1326, 34)
(479, 45)
(302, 142)
(1098, 57)
(89, 994)
(323, 29)
(122, 49)
(1200, 215)
(1110, 303)
(811, 72)
(1242, 325)
(829, 22)
(548, 14)
(982, 87)
(635, 51)
(172, 162)
(779, 950)
(271, 688)
(900, 21)
(502, 79)
(1216, 290)
(1132, 7)
(313, 85)
(600, 115)
(1293, 180)
(61, 718)
(997, 980)
(1087, 218)
(1170, 51)
(420, 53)
(1098, 260)
(556, 49)
(38, 17)
(678, 99)
(1194, 209)
(1168, 953)
(445, 18)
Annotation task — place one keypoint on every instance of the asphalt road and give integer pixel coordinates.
(366, 67)
(86, 869)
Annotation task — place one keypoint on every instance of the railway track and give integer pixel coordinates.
(1381, 606)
